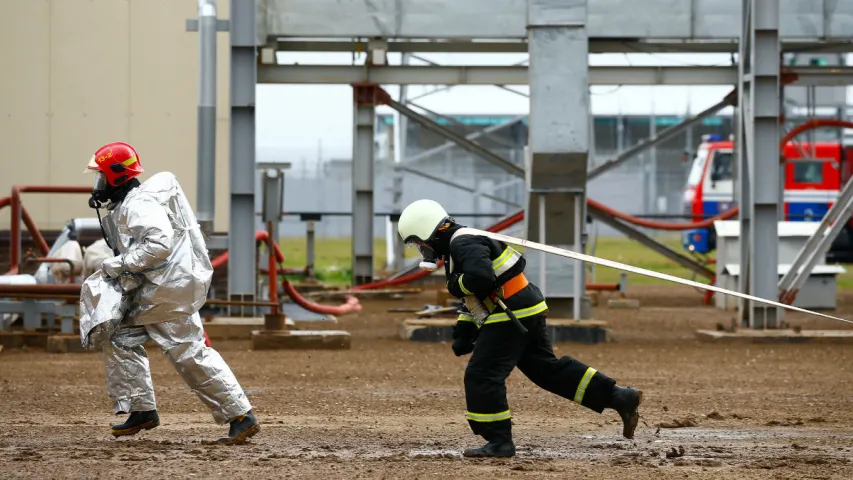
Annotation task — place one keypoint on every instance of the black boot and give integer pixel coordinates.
(626, 401)
(242, 428)
(136, 422)
(492, 449)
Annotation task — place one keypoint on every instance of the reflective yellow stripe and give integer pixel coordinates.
(130, 161)
(519, 314)
(488, 417)
(584, 383)
(505, 261)
(464, 317)
(462, 287)
(504, 256)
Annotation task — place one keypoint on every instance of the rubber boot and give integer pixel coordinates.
(241, 429)
(626, 401)
(491, 449)
(136, 422)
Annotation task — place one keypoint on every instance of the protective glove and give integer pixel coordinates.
(453, 285)
(464, 336)
(113, 267)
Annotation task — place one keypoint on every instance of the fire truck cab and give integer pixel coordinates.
(813, 177)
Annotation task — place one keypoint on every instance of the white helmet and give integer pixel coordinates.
(420, 219)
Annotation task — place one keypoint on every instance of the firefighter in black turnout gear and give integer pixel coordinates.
(489, 275)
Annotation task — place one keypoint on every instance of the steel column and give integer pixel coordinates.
(394, 244)
(558, 144)
(365, 99)
(762, 149)
(206, 180)
(242, 271)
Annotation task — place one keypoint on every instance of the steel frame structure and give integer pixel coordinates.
(555, 34)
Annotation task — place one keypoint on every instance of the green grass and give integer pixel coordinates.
(333, 262)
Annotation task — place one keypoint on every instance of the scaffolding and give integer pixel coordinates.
(555, 35)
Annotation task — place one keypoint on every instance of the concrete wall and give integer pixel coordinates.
(77, 74)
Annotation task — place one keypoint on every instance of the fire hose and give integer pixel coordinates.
(648, 273)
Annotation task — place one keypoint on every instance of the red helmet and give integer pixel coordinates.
(117, 161)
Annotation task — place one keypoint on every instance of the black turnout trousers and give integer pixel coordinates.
(500, 347)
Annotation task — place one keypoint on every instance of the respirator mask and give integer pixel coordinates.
(429, 259)
(100, 194)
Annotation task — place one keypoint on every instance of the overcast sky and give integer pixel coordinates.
(295, 121)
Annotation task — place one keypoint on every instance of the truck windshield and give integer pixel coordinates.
(698, 167)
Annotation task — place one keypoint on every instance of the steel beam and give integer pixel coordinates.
(518, 75)
(762, 142)
(487, 134)
(635, 234)
(615, 20)
(596, 46)
(471, 136)
(664, 135)
(242, 273)
(365, 99)
(449, 183)
(466, 144)
(815, 249)
(206, 179)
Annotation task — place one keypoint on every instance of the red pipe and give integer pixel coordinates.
(811, 125)
(18, 212)
(352, 304)
(273, 273)
(38, 238)
(662, 225)
(603, 287)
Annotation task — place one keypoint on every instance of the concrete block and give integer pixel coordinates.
(66, 344)
(624, 303)
(10, 340)
(236, 328)
(747, 336)
(301, 340)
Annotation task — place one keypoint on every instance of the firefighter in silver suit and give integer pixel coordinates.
(162, 266)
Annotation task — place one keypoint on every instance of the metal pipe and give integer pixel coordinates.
(38, 238)
(59, 289)
(19, 213)
(54, 260)
(15, 232)
(206, 181)
(235, 303)
(576, 304)
(309, 249)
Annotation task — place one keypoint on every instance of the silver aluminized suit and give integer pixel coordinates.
(164, 272)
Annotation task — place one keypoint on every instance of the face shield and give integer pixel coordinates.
(429, 257)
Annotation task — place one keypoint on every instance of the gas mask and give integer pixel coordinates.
(100, 192)
(429, 259)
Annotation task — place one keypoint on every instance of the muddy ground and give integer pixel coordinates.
(394, 409)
